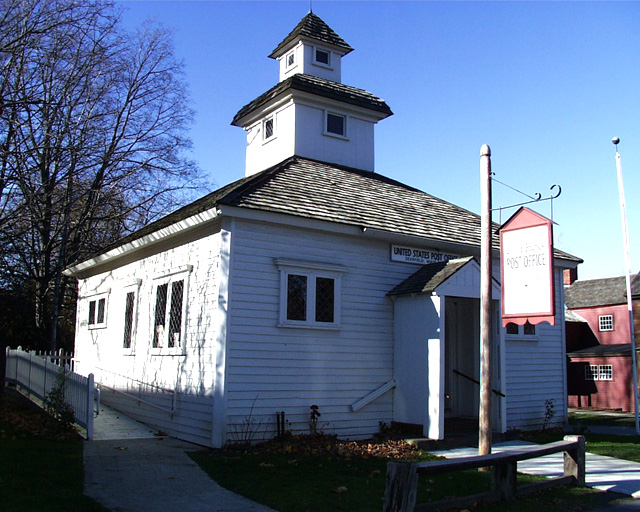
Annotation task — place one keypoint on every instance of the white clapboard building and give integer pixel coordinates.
(312, 280)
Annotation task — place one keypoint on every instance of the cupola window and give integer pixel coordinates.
(268, 128)
(336, 124)
(291, 59)
(322, 57)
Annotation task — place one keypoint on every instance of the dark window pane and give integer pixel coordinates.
(92, 312)
(175, 315)
(161, 306)
(128, 319)
(296, 297)
(529, 329)
(335, 124)
(322, 56)
(268, 128)
(324, 299)
(512, 328)
(101, 307)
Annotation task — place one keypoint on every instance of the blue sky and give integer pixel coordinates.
(545, 84)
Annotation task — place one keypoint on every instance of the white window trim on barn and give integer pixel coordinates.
(97, 302)
(312, 271)
(133, 288)
(598, 372)
(160, 345)
(605, 323)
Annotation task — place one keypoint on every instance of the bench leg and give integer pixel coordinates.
(402, 487)
(574, 460)
(504, 480)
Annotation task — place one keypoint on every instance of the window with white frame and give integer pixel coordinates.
(598, 372)
(591, 372)
(268, 128)
(169, 311)
(336, 124)
(322, 57)
(130, 315)
(97, 317)
(605, 322)
(605, 372)
(309, 294)
(291, 59)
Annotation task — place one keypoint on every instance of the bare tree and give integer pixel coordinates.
(93, 139)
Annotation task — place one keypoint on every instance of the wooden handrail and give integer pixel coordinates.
(499, 393)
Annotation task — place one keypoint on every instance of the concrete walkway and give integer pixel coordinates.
(129, 469)
(603, 473)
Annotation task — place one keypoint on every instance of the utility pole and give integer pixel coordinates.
(484, 442)
(627, 264)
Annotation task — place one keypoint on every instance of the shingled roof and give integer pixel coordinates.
(333, 193)
(319, 87)
(312, 27)
(429, 277)
(608, 291)
(619, 349)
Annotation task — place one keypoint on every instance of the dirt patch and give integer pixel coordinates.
(331, 446)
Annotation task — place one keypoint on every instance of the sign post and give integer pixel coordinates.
(484, 441)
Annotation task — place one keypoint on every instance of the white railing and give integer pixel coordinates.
(37, 374)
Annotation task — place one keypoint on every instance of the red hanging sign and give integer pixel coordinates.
(526, 269)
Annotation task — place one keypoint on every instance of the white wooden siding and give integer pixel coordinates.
(191, 374)
(536, 372)
(273, 368)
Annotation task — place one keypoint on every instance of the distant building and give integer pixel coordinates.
(311, 281)
(598, 342)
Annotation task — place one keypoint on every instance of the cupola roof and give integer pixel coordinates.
(312, 27)
(319, 87)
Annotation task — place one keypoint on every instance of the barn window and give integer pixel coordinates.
(169, 313)
(605, 322)
(591, 372)
(605, 372)
(97, 318)
(309, 294)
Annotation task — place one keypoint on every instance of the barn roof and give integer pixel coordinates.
(608, 291)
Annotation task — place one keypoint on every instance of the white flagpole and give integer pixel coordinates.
(627, 264)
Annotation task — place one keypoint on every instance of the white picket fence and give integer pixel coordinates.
(37, 374)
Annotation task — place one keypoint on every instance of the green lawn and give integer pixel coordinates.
(291, 482)
(587, 419)
(41, 468)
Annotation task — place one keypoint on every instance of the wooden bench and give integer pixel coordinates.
(402, 477)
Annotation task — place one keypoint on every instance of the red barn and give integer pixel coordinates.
(599, 369)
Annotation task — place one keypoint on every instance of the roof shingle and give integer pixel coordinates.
(312, 27)
(320, 87)
(334, 193)
(608, 291)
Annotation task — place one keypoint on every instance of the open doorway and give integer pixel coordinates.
(462, 363)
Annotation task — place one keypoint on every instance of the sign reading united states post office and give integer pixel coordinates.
(526, 267)
(419, 255)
